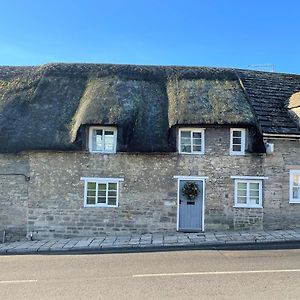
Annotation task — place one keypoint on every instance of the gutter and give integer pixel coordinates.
(281, 135)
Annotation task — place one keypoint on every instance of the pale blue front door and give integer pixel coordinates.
(190, 210)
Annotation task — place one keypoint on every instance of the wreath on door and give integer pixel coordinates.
(190, 190)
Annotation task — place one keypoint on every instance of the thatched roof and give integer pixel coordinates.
(48, 107)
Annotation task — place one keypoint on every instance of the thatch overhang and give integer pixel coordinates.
(49, 107)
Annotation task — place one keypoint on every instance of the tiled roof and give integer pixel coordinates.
(269, 95)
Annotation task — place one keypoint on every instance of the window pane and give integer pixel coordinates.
(109, 141)
(112, 186)
(254, 201)
(254, 186)
(101, 186)
(242, 185)
(112, 193)
(185, 134)
(109, 133)
(97, 141)
(112, 201)
(91, 185)
(236, 133)
(242, 200)
(242, 193)
(236, 141)
(254, 193)
(90, 200)
(185, 141)
(102, 193)
(197, 135)
(197, 148)
(296, 180)
(237, 148)
(296, 193)
(186, 148)
(91, 193)
(101, 199)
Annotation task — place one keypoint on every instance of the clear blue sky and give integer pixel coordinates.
(228, 33)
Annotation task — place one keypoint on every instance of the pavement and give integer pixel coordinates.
(157, 242)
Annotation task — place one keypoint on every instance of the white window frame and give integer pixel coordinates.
(247, 204)
(104, 128)
(243, 141)
(292, 173)
(192, 130)
(97, 181)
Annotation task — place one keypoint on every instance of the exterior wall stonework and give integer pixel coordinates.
(53, 206)
(13, 196)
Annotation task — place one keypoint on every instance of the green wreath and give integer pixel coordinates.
(190, 190)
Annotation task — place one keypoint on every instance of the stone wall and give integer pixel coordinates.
(13, 196)
(148, 195)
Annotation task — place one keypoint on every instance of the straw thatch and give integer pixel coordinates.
(49, 107)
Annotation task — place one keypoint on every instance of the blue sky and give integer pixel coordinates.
(225, 33)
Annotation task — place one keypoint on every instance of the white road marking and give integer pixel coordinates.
(18, 281)
(214, 273)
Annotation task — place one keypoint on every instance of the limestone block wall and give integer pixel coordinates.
(51, 204)
(148, 195)
(278, 212)
(13, 196)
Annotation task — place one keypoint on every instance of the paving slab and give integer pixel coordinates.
(169, 240)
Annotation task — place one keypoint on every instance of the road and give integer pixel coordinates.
(204, 274)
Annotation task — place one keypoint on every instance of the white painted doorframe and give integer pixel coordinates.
(199, 178)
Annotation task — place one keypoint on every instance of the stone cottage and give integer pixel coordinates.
(92, 148)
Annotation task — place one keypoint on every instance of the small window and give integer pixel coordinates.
(191, 141)
(237, 141)
(248, 193)
(295, 186)
(101, 192)
(102, 139)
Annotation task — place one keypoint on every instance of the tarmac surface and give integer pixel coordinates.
(158, 242)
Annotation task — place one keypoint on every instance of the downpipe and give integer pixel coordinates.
(3, 236)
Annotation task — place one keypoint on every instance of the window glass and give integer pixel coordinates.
(90, 200)
(191, 141)
(109, 141)
(295, 186)
(296, 193)
(91, 185)
(242, 185)
(237, 142)
(248, 194)
(112, 201)
(101, 199)
(112, 186)
(254, 186)
(237, 148)
(102, 186)
(102, 193)
(237, 133)
(98, 140)
(242, 200)
(186, 134)
(103, 140)
(296, 180)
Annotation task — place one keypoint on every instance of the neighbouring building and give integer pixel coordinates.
(87, 149)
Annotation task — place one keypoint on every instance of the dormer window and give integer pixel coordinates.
(237, 141)
(191, 141)
(102, 139)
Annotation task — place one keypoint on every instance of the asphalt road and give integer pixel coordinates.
(262, 274)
